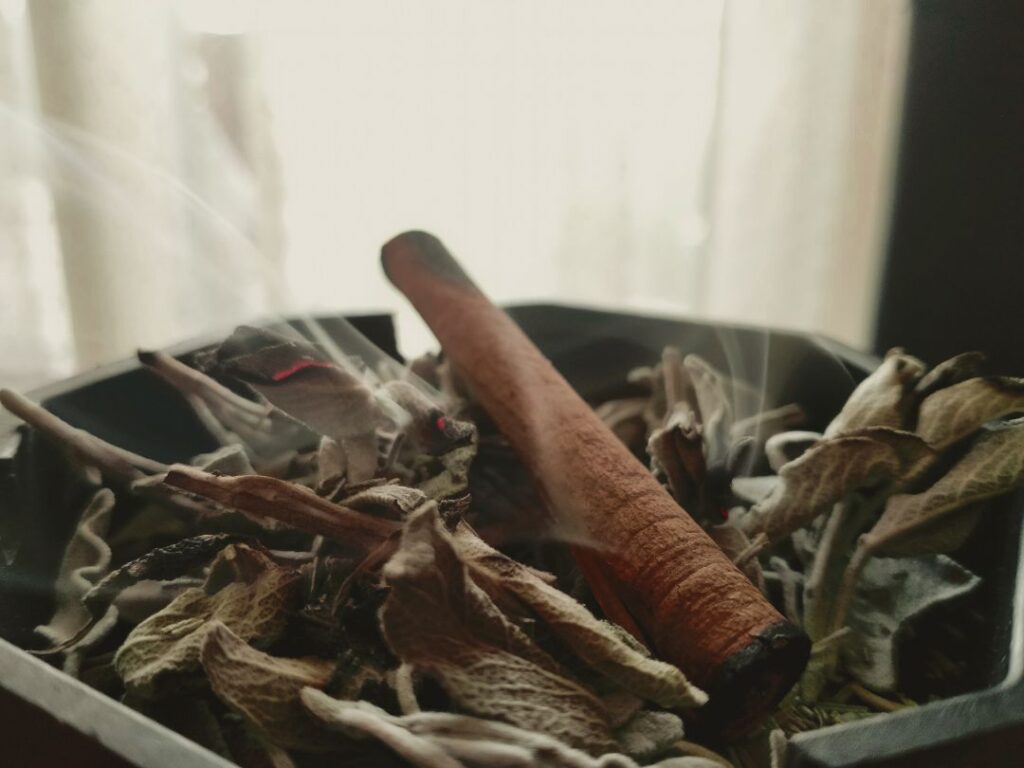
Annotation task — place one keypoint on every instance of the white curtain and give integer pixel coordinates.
(169, 169)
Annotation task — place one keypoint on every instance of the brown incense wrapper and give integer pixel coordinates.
(683, 596)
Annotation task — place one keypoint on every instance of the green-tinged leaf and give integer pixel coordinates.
(953, 413)
(437, 620)
(265, 689)
(884, 399)
(891, 592)
(952, 371)
(595, 642)
(829, 472)
(992, 466)
(162, 653)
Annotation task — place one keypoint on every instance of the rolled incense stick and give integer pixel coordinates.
(651, 567)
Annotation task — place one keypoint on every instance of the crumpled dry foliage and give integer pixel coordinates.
(316, 581)
(437, 620)
(162, 652)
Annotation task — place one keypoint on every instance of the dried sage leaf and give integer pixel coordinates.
(387, 500)
(360, 719)
(677, 454)
(595, 642)
(754, 489)
(785, 447)
(227, 460)
(883, 399)
(447, 740)
(714, 405)
(953, 413)
(829, 472)
(441, 623)
(86, 560)
(265, 689)
(162, 653)
(952, 371)
(649, 734)
(890, 594)
(993, 465)
(160, 564)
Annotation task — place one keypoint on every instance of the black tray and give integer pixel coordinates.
(50, 717)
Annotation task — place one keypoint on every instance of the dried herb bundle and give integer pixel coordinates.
(338, 583)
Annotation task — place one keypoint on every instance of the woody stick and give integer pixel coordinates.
(650, 565)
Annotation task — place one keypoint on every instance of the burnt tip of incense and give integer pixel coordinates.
(749, 685)
(423, 253)
(146, 357)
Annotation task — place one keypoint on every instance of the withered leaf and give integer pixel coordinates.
(447, 740)
(829, 472)
(754, 489)
(227, 460)
(993, 465)
(390, 500)
(677, 453)
(439, 622)
(951, 414)
(595, 642)
(714, 404)
(265, 689)
(86, 560)
(784, 447)
(649, 734)
(884, 399)
(890, 594)
(952, 371)
(331, 466)
(162, 652)
(445, 476)
(159, 564)
(360, 719)
(422, 420)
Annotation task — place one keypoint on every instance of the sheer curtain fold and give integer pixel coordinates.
(172, 168)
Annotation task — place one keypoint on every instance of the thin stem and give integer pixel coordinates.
(116, 463)
(193, 382)
(756, 547)
(878, 702)
(286, 502)
(849, 585)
